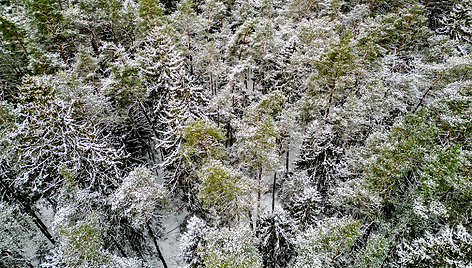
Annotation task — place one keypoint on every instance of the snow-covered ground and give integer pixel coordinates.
(170, 241)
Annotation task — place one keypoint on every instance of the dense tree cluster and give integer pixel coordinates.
(290, 133)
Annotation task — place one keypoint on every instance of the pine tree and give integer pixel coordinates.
(276, 233)
(14, 55)
(320, 155)
(139, 196)
(224, 192)
(230, 248)
(257, 136)
(457, 24)
(51, 134)
(323, 244)
(450, 246)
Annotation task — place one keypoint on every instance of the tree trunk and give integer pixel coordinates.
(259, 190)
(330, 100)
(148, 119)
(120, 249)
(63, 56)
(227, 135)
(273, 192)
(218, 117)
(372, 4)
(230, 136)
(154, 240)
(21, 43)
(29, 210)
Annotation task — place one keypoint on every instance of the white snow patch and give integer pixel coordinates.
(170, 242)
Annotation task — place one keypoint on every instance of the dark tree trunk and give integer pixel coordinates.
(30, 211)
(273, 191)
(154, 240)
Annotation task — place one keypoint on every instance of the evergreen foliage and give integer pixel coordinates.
(270, 133)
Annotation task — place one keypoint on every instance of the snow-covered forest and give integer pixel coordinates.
(223, 133)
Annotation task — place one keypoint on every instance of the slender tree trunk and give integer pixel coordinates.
(189, 45)
(230, 135)
(120, 249)
(330, 100)
(29, 210)
(232, 99)
(427, 91)
(372, 4)
(227, 134)
(259, 190)
(39, 223)
(63, 56)
(94, 42)
(21, 43)
(154, 240)
(331, 94)
(218, 117)
(148, 119)
(427, 4)
(162, 153)
(151, 124)
(273, 191)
